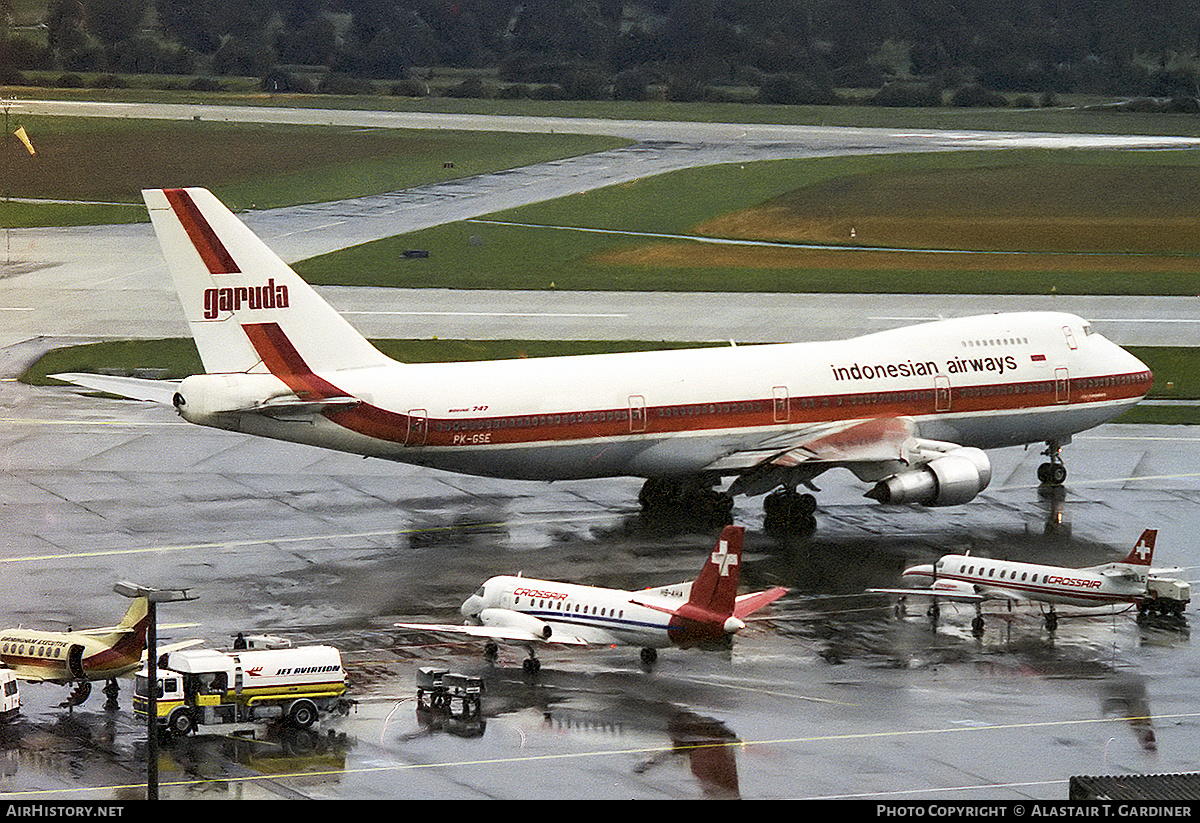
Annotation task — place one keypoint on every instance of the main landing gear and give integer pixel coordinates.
(531, 665)
(786, 511)
(1052, 473)
(692, 497)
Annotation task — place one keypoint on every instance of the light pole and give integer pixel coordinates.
(153, 598)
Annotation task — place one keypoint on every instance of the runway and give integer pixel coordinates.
(831, 696)
(79, 283)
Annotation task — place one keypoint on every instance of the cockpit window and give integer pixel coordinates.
(1087, 329)
(480, 592)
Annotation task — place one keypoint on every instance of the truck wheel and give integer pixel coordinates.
(302, 714)
(180, 723)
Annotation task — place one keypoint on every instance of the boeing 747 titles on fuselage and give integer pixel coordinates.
(909, 411)
(705, 612)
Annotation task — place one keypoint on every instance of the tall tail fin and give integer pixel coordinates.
(240, 298)
(715, 589)
(1143, 550)
(131, 631)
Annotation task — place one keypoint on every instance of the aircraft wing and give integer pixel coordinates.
(940, 594)
(872, 449)
(511, 634)
(135, 388)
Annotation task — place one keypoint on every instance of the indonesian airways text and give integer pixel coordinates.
(920, 368)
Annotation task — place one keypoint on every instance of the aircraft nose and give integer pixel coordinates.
(472, 606)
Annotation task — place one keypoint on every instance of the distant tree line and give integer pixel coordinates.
(903, 52)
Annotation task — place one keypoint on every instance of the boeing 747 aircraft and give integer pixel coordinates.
(909, 411)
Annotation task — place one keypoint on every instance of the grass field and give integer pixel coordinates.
(248, 166)
(1024, 222)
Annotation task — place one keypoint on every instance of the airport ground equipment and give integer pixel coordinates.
(206, 687)
(440, 690)
(10, 695)
(1165, 597)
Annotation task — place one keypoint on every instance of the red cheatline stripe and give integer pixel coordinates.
(283, 361)
(286, 363)
(210, 248)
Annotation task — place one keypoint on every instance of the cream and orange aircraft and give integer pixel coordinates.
(77, 657)
(908, 411)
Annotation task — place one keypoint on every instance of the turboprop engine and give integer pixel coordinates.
(953, 478)
(509, 619)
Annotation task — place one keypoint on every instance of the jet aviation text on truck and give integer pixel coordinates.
(908, 410)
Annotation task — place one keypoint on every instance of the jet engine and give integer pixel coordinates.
(509, 619)
(953, 478)
(202, 396)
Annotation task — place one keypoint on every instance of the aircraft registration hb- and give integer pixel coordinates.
(704, 612)
(907, 410)
(77, 657)
(966, 578)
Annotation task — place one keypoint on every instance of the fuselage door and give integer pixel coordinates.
(1070, 338)
(637, 413)
(941, 393)
(418, 428)
(1062, 386)
(782, 404)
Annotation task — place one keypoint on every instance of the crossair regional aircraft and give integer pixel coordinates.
(77, 657)
(704, 612)
(907, 411)
(965, 578)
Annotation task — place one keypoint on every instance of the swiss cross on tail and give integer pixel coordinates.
(1143, 550)
(722, 559)
(715, 589)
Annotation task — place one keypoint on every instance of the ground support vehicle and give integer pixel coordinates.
(439, 690)
(1165, 597)
(10, 695)
(205, 687)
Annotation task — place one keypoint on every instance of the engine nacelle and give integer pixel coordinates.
(954, 478)
(202, 397)
(954, 587)
(509, 619)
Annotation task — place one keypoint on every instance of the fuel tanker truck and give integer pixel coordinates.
(206, 687)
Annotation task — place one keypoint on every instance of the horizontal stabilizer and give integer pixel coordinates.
(135, 388)
(748, 604)
(290, 406)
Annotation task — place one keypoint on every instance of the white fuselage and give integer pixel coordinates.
(987, 381)
(1010, 580)
(597, 615)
